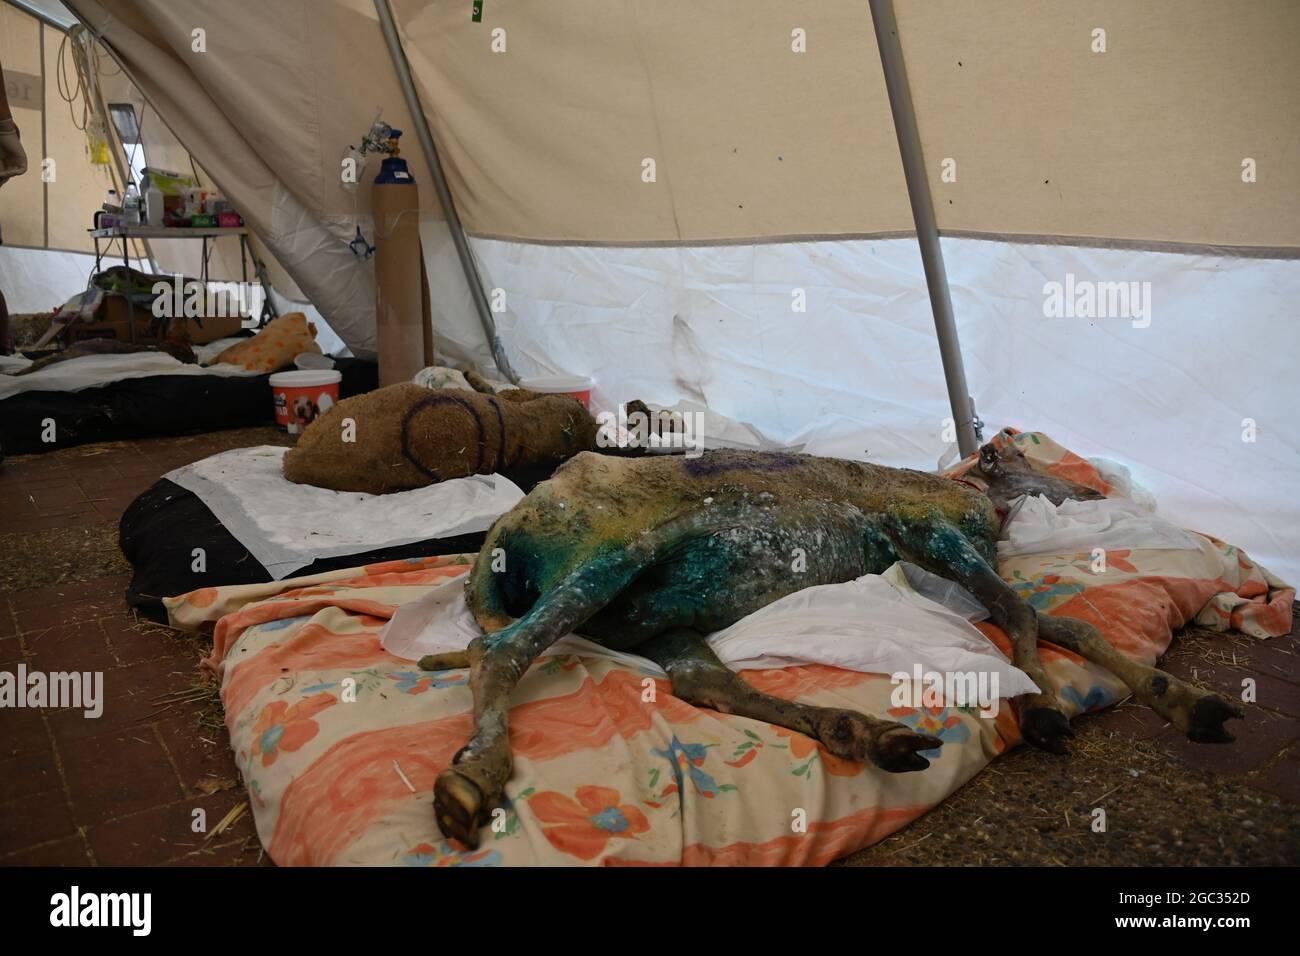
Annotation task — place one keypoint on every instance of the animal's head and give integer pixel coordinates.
(179, 351)
(1008, 475)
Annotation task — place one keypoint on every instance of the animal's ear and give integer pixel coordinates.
(990, 461)
(1012, 456)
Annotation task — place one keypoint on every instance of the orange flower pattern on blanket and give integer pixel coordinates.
(309, 646)
(802, 747)
(942, 722)
(798, 681)
(442, 854)
(283, 728)
(1119, 559)
(582, 825)
(232, 626)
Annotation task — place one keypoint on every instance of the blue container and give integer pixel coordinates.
(394, 168)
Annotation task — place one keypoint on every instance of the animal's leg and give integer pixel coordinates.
(939, 547)
(1198, 713)
(700, 678)
(465, 793)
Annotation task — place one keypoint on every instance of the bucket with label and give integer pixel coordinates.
(303, 396)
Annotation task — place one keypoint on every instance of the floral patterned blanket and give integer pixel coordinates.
(340, 742)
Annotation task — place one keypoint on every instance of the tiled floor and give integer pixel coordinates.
(123, 789)
(1268, 740)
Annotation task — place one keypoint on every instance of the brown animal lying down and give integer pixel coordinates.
(177, 350)
(408, 436)
(652, 554)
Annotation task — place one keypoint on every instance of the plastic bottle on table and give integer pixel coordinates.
(153, 205)
(131, 208)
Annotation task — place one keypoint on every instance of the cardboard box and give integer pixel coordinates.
(213, 328)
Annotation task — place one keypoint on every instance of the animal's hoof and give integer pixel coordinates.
(898, 749)
(451, 661)
(1208, 715)
(889, 745)
(459, 804)
(1047, 729)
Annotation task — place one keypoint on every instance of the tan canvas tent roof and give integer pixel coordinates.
(756, 143)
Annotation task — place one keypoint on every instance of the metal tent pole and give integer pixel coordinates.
(463, 251)
(927, 231)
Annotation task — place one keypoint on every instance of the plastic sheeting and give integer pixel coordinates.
(1196, 395)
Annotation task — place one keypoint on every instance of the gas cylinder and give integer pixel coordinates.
(399, 307)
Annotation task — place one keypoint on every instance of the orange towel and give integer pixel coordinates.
(276, 346)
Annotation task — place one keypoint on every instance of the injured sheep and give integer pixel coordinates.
(406, 436)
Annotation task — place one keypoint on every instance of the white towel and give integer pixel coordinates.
(1037, 526)
(876, 624)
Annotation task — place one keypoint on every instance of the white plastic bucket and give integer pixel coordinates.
(576, 385)
(302, 396)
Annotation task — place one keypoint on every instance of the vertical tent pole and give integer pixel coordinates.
(927, 231)
(463, 250)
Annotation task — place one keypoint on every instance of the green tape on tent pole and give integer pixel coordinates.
(477, 15)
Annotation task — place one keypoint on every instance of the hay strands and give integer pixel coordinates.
(235, 813)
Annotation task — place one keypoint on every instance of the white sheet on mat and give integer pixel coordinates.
(877, 624)
(1039, 527)
(286, 526)
(90, 371)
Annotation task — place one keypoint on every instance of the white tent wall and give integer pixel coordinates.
(40, 280)
(1200, 402)
(546, 113)
(543, 143)
(458, 335)
(857, 375)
